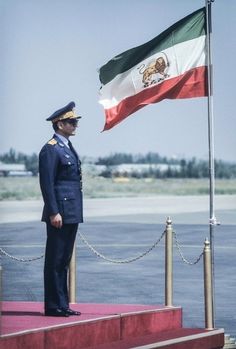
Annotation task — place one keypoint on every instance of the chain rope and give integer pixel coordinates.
(2, 251)
(111, 260)
(182, 255)
(120, 261)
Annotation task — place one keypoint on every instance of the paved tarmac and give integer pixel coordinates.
(121, 228)
(183, 209)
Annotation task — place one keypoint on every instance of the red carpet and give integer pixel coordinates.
(23, 316)
(102, 326)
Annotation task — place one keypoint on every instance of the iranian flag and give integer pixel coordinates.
(172, 65)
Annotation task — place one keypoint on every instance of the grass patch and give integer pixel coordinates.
(101, 187)
(19, 188)
(27, 188)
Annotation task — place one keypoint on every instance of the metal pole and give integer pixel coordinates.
(209, 320)
(212, 220)
(72, 277)
(169, 264)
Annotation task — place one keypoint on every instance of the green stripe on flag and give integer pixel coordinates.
(188, 28)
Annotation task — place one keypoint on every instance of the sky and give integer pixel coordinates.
(50, 55)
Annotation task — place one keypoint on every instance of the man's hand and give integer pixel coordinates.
(56, 220)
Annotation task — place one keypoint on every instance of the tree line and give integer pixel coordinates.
(184, 168)
(14, 157)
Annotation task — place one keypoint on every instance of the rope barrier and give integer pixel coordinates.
(181, 253)
(111, 260)
(2, 251)
(120, 261)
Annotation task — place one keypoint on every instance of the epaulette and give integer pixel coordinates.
(52, 141)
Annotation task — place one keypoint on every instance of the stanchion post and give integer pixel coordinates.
(208, 286)
(72, 277)
(169, 264)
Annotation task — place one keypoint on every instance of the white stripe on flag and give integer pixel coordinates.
(181, 57)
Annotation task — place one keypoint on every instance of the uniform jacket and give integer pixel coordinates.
(61, 182)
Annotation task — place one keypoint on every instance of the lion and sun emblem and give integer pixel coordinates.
(155, 71)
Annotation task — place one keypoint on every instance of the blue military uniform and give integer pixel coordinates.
(61, 182)
(61, 187)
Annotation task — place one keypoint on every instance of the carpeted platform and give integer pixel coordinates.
(102, 326)
(28, 316)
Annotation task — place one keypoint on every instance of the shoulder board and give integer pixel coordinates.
(52, 141)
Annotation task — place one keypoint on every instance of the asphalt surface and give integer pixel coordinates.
(123, 234)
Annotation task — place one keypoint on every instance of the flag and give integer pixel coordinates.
(172, 65)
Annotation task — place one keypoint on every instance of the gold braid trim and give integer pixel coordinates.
(68, 115)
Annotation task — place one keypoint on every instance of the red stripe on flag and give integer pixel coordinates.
(191, 84)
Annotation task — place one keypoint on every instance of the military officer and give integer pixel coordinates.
(61, 187)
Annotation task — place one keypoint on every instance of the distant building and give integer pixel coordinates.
(13, 170)
(129, 169)
(144, 168)
(96, 170)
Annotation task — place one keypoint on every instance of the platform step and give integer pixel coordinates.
(102, 326)
(185, 338)
(230, 342)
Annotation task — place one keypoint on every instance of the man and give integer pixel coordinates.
(61, 186)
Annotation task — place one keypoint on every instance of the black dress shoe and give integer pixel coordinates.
(56, 312)
(71, 312)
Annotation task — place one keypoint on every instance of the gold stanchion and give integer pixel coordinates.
(169, 264)
(72, 277)
(208, 286)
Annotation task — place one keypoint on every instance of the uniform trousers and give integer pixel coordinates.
(59, 249)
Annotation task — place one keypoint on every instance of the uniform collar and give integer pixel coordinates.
(63, 139)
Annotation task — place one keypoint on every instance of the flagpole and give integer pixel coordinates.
(212, 220)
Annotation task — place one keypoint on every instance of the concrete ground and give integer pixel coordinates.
(124, 228)
(183, 209)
